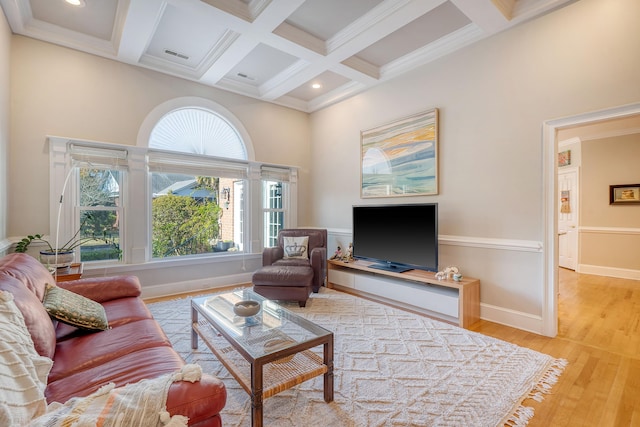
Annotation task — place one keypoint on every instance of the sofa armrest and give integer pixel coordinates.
(103, 289)
(199, 401)
(271, 255)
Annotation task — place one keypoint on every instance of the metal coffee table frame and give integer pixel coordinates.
(239, 344)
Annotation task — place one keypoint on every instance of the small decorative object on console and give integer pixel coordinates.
(338, 254)
(449, 273)
(246, 308)
(349, 255)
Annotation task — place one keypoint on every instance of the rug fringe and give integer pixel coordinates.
(520, 417)
(548, 380)
(523, 414)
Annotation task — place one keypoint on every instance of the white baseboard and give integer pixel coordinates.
(205, 285)
(515, 319)
(598, 270)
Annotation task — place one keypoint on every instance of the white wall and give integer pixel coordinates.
(493, 98)
(5, 51)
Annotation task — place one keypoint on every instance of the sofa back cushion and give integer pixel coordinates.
(26, 278)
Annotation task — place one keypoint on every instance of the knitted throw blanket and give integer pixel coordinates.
(23, 372)
(138, 404)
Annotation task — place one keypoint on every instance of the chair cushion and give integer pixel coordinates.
(283, 276)
(295, 262)
(92, 351)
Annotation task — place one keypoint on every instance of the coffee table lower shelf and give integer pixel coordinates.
(278, 376)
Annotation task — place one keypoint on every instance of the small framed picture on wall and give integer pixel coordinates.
(564, 158)
(624, 194)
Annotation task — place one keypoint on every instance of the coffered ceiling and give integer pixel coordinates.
(273, 50)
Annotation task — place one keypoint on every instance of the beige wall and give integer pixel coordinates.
(5, 50)
(612, 237)
(493, 98)
(63, 92)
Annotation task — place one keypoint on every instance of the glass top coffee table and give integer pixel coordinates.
(266, 353)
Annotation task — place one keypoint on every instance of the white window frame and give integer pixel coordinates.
(136, 198)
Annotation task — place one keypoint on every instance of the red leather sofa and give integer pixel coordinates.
(134, 348)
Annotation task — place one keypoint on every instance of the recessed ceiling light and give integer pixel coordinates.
(79, 3)
(316, 85)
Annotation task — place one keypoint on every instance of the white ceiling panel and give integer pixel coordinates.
(422, 31)
(325, 18)
(95, 19)
(260, 65)
(327, 82)
(273, 50)
(184, 38)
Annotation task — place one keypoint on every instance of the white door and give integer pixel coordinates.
(568, 218)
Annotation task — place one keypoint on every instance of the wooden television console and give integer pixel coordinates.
(417, 290)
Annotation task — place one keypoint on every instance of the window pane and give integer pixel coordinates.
(273, 224)
(99, 235)
(192, 215)
(273, 211)
(99, 187)
(100, 211)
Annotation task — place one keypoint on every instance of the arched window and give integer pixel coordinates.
(197, 131)
(197, 202)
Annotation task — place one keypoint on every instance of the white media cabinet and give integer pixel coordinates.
(417, 290)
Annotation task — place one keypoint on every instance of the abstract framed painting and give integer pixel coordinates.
(401, 158)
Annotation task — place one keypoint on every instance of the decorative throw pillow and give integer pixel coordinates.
(73, 309)
(296, 247)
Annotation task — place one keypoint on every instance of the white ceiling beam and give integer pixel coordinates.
(484, 14)
(140, 25)
(527, 9)
(239, 49)
(269, 18)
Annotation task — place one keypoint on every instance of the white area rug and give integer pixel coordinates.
(392, 368)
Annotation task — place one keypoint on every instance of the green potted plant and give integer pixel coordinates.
(62, 256)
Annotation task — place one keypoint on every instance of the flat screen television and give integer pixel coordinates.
(397, 237)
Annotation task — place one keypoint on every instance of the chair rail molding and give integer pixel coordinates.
(343, 234)
(608, 230)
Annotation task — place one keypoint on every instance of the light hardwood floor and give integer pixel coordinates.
(599, 335)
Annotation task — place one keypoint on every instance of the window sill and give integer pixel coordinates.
(104, 269)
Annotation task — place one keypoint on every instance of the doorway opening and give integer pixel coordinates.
(551, 202)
